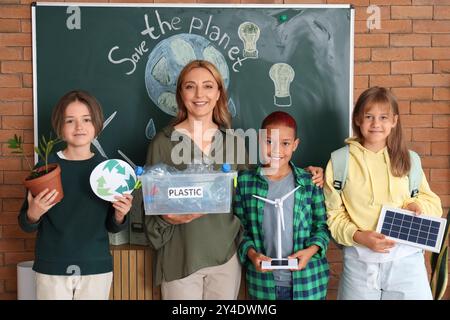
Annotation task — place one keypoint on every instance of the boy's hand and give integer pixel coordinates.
(414, 207)
(181, 218)
(304, 256)
(122, 206)
(40, 204)
(317, 175)
(256, 258)
(374, 241)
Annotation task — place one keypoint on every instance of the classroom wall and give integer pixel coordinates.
(410, 53)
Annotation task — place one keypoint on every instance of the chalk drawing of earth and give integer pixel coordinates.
(166, 61)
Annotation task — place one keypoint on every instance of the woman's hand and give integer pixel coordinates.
(304, 256)
(317, 175)
(374, 241)
(414, 207)
(122, 206)
(40, 204)
(256, 258)
(181, 218)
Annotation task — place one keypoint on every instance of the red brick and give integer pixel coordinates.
(433, 2)
(390, 2)
(11, 285)
(10, 53)
(27, 108)
(25, 26)
(9, 12)
(435, 161)
(28, 136)
(11, 245)
(404, 106)
(431, 134)
(12, 205)
(5, 135)
(361, 82)
(16, 94)
(9, 81)
(8, 296)
(15, 232)
(361, 27)
(413, 93)
(334, 255)
(422, 148)
(410, 67)
(394, 26)
(15, 39)
(299, 1)
(445, 200)
(9, 218)
(30, 244)
(440, 174)
(11, 191)
(362, 68)
(407, 134)
(440, 187)
(392, 54)
(9, 25)
(431, 80)
(440, 149)
(411, 12)
(362, 54)
(17, 66)
(410, 40)
(15, 177)
(362, 13)
(17, 122)
(27, 53)
(10, 108)
(439, 53)
(371, 40)
(415, 121)
(430, 107)
(441, 121)
(27, 80)
(354, 2)
(390, 81)
(441, 94)
(441, 12)
(16, 257)
(442, 66)
(8, 272)
(431, 26)
(10, 164)
(440, 40)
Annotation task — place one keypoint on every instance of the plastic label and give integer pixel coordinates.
(185, 192)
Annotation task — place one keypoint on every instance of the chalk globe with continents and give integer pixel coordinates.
(168, 58)
(112, 177)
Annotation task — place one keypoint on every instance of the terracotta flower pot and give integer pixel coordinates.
(51, 180)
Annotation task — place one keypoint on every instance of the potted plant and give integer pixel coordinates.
(46, 176)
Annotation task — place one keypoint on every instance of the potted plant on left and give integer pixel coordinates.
(46, 176)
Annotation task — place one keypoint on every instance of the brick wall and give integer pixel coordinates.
(410, 53)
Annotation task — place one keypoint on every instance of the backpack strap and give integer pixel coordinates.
(339, 161)
(415, 174)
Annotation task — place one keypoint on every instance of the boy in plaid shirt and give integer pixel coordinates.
(306, 234)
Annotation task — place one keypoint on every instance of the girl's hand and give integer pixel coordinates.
(256, 258)
(122, 206)
(181, 218)
(40, 204)
(373, 240)
(414, 207)
(317, 175)
(304, 256)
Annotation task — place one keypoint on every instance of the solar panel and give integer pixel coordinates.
(419, 231)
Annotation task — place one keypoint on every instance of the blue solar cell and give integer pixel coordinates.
(432, 237)
(431, 243)
(404, 230)
(385, 231)
(423, 234)
(416, 220)
(406, 224)
(403, 236)
(422, 241)
(413, 232)
(434, 230)
(426, 222)
(407, 218)
(412, 238)
(395, 228)
(388, 219)
(397, 222)
(394, 234)
(435, 224)
(415, 226)
(389, 213)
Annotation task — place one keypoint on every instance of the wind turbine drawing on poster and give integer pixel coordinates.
(95, 141)
(279, 262)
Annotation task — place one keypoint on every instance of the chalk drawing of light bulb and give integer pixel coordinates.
(282, 75)
(249, 33)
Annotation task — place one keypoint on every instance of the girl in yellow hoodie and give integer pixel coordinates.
(375, 267)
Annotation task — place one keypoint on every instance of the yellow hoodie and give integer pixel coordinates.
(370, 185)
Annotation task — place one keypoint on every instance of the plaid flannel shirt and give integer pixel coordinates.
(309, 228)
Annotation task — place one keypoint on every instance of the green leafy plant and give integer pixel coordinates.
(43, 150)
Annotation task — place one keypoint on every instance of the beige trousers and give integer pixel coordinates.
(73, 287)
(212, 283)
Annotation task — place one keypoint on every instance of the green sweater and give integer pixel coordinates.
(208, 241)
(74, 232)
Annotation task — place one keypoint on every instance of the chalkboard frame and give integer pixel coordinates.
(172, 5)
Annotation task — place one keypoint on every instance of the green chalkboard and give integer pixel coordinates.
(128, 56)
